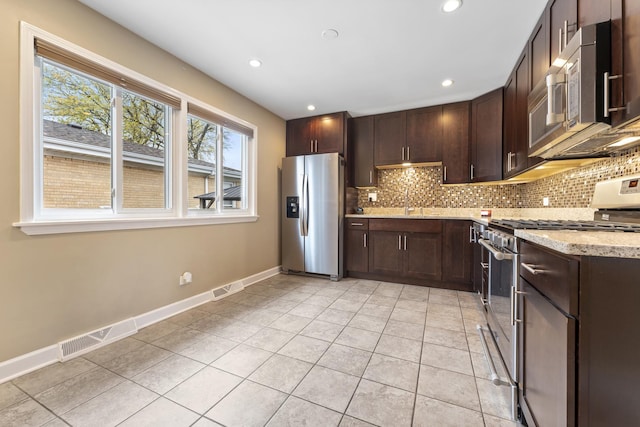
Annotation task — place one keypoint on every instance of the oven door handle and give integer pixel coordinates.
(496, 253)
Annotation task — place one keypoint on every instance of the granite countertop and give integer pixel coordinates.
(587, 243)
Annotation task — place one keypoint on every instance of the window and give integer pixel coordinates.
(79, 145)
(105, 144)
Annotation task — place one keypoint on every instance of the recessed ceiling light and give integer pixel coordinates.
(451, 5)
(255, 63)
(447, 82)
(311, 107)
(329, 34)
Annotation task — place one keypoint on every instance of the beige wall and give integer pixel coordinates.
(58, 286)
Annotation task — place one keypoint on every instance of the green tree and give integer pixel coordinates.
(71, 98)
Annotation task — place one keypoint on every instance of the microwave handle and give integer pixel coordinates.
(553, 80)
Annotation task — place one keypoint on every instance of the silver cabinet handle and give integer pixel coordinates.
(531, 268)
(471, 235)
(607, 79)
(566, 34)
(408, 155)
(445, 174)
(405, 242)
(403, 154)
(311, 147)
(399, 242)
(364, 240)
(472, 172)
(370, 176)
(357, 224)
(316, 145)
(484, 265)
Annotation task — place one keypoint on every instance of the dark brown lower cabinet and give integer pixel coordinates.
(609, 342)
(401, 254)
(547, 378)
(457, 253)
(429, 252)
(357, 245)
(579, 343)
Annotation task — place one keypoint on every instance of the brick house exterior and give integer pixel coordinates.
(77, 172)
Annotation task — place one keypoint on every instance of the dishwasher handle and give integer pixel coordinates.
(496, 253)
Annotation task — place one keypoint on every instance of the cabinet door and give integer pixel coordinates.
(365, 174)
(424, 134)
(299, 138)
(626, 59)
(389, 138)
(357, 251)
(547, 360)
(455, 147)
(385, 252)
(486, 137)
(510, 120)
(328, 132)
(520, 159)
(457, 252)
(593, 11)
(539, 53)
(423, 255)
(562, 19)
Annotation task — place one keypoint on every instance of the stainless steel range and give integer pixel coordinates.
(618, 203)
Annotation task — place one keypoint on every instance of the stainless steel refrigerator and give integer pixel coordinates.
(313, 214)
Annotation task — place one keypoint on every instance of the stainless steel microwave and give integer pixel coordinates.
(569, 108)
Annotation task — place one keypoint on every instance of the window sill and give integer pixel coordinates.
(91, 225)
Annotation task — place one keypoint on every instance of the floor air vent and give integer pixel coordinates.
(227, 290)
(85, 343)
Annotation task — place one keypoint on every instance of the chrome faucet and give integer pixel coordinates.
(407, 209)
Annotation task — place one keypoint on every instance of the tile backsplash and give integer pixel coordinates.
(422, 187)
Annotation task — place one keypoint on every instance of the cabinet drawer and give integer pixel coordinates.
(358, 223)
(406, 225)
(556, 275)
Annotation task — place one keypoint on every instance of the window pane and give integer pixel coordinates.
(201, 137)
(143, 152)
(234, 150)
(76, 129)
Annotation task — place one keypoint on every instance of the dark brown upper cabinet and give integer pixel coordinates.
(538, 53)
(593, 11)
(319, 134)
(516, 124)
(562, 24)
(424, 134)
(361, 141)
(455, 143)
(625, 91)
(486, 137)
(389, 138)
(409, 136)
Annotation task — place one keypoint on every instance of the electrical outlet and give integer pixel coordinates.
(545, 201)
(185, 278)
(373, 197)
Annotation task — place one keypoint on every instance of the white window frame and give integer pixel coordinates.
(33, 222)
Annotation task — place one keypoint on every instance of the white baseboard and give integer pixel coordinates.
(26, 363)
(261, 276)
(40, 358)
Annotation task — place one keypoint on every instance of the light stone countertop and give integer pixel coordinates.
(616, 244)
(587, 243)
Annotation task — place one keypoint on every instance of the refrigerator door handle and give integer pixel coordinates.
(304, 206)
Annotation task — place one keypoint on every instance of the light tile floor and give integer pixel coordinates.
(288, 351)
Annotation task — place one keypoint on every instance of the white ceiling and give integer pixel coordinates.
(390, 54)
